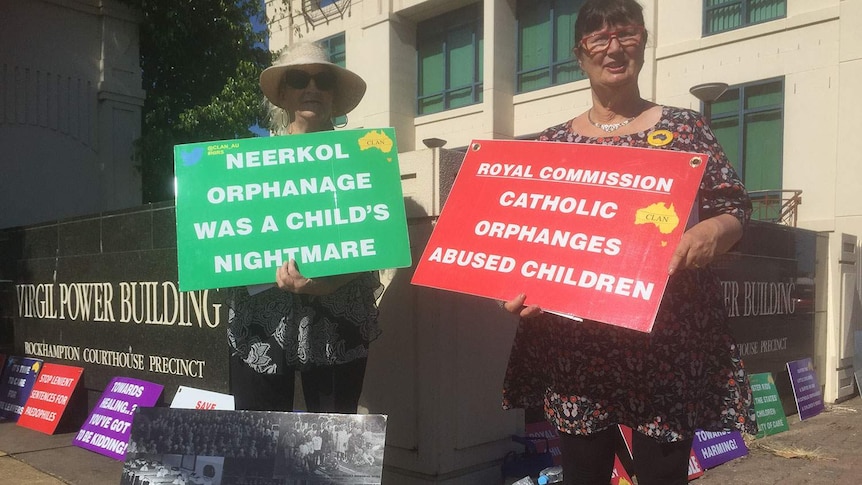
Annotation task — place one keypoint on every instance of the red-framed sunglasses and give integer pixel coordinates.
(627, 36)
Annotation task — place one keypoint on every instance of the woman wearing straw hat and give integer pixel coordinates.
(322, 326)
(297, 104)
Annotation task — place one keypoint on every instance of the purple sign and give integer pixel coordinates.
(108, 427)
(18, 377)
(806, 389)
(716, 447)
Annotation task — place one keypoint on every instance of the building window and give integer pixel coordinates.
(749, 123)
(335, 46)
(724, 15)
(546, 36)
(449, 50)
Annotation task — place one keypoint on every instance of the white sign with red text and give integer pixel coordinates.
(193, 398)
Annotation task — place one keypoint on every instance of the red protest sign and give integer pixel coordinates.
(584, 230)
(619, 475)
(49, 397)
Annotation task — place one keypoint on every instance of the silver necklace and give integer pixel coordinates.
(609, 127)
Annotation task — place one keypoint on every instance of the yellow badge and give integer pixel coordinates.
(659, 138)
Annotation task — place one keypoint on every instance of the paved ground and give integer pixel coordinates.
(826, 449)
(30, 457)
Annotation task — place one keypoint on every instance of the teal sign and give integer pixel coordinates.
(331, 201)
(770, 413)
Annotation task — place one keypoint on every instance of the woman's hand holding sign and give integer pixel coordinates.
(704, 241)
(697, 248)
(516, 306)
(290, 279)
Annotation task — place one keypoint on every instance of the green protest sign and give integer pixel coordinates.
(331, 201)
(767, 406)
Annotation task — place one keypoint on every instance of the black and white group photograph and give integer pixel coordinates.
(192, 447)
(330, 448)
(170, 469)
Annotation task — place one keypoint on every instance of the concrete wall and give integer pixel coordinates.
(437, 369)
(70, 109)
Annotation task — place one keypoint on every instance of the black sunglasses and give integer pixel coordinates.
(324, 80)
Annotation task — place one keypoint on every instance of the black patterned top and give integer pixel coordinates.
(275, 330)
(687, 373)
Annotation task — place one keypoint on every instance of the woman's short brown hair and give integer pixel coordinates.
(594, 14)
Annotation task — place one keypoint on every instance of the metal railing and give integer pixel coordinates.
(318, 12)
(778, 206)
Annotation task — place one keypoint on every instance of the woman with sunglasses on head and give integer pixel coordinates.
(687, 373)
(321, 327)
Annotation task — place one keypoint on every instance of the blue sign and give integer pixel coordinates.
(19, 376)
(806, 388)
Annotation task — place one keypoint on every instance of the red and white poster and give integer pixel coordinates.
(586, 231)
(194, 398)
(49, 397)
(619, 475)
(544, 429)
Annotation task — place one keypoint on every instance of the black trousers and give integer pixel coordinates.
(589, 460)
(327, 389)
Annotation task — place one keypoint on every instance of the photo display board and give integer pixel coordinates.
(216, 447)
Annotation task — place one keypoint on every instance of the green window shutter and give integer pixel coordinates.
(535, 46)
(337, 50)
(336, 47)
(764, 135)
(723, 15)
(725, 123)
(763, 148)
(749, 123)
(565, 66)
(764, 95)
(728, 134)
(461, 58)
(449, 51)
(764, 10)
(431, 77)
(545, 40)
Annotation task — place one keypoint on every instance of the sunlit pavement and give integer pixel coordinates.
(824, 449)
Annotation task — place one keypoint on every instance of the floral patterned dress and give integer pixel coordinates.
(275, 330)
(686, 374)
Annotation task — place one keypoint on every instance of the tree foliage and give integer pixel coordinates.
(201, 60)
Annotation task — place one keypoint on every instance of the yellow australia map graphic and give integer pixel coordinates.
(660, 215)
(376, 139)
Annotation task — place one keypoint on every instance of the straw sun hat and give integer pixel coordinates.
(349, 87)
